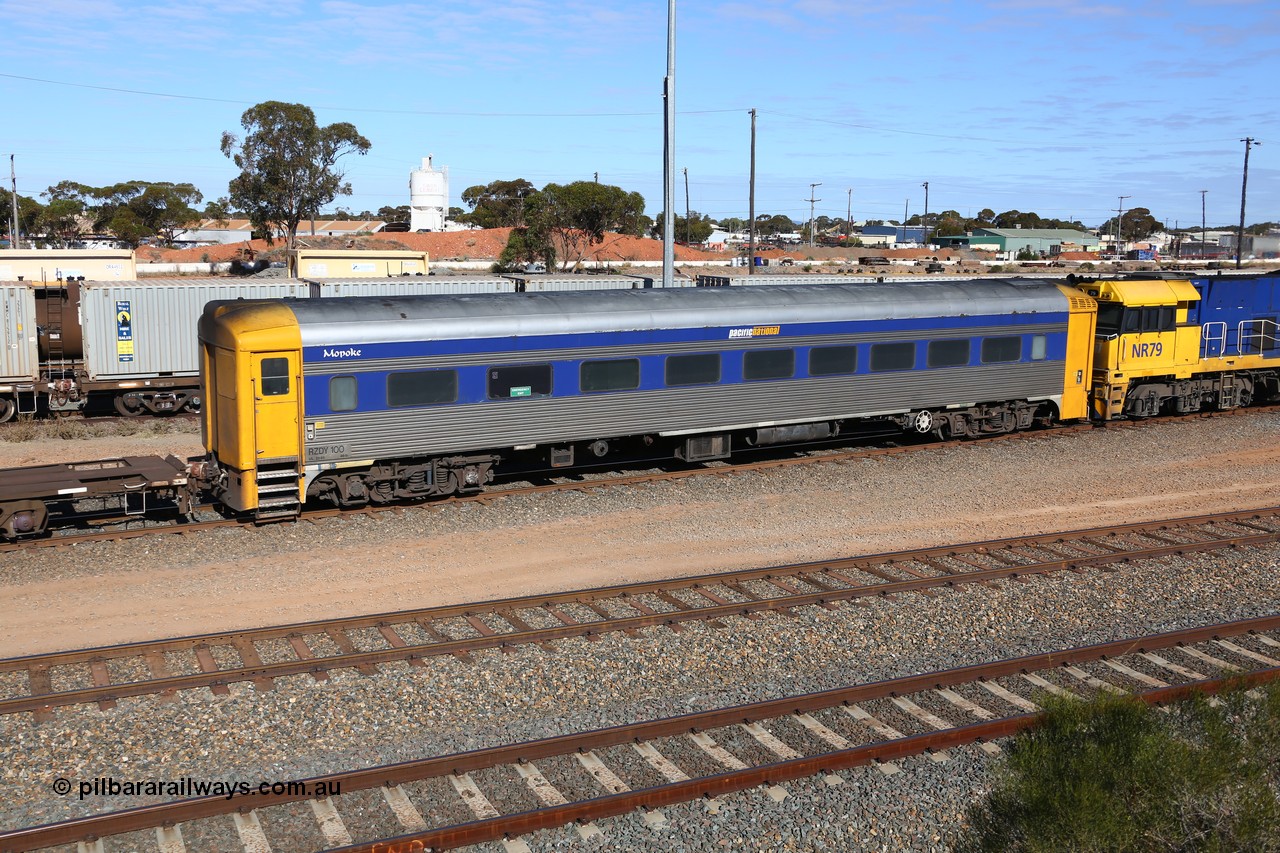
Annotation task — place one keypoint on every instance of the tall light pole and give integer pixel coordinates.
(751, 204)
(1249, 142)
(686, 207)
(669, 153)
(1120, 223)
(848, 221)
(1202, 242)
(13, 179)
(812, 202)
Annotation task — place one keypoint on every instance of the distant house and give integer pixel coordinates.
(217, 232)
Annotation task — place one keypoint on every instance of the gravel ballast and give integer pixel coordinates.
(304, 727)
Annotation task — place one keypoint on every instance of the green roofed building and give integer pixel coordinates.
(1039, 240)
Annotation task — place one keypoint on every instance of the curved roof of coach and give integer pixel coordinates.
(326, 322)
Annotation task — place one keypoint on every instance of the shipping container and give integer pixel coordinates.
(148, 329)
(20, 358)
(357, 263)
(756, 280)
(550, 284)
(416, 286)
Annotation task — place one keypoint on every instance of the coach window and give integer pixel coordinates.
(621, 374)
(701, 369)
(832, 361)
(519, 380)
(997, 350)
(275, 377)
(768, 364)
(947, 353)
(342, 394)
(1039, 347)
(900, 356)
(422, 388)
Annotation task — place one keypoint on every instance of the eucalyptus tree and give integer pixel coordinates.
(288, 165)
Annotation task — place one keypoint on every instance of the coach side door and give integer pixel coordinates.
(275, 378)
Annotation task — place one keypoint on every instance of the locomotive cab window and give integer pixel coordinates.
(1152, 318)
(342, 394)
(947, 353)
(275, 377)
(768, 364)
(899, 356)
(422, 388)
(1109, 317)
(519, 380)
(997, 350)
(833, 361)
(700, 369)
(621, 374)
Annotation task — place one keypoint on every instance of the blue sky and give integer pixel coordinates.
(1053, 106)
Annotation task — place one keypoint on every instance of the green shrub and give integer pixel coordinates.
(1114, 774)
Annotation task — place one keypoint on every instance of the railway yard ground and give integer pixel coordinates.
(171, 585)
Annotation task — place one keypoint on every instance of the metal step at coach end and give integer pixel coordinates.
(278, 489)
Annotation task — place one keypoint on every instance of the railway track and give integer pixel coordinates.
(103, 675)
(122, 526)
(505, 792)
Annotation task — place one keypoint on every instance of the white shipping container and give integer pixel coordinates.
(149, 329)
(424, 286)
(20, 359)
(541, 284)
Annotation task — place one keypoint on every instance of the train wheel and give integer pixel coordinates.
(922, 422)
(23, 518)
(194, 404)
(8, 408)
(130, 405)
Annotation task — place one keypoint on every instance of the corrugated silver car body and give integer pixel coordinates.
(162, 318)
(672, 410)
(20, 358)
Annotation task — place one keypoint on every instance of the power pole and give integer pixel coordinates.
(669, 153)
(1202, 243)
(848, 221)
(812, 202)
(751, 204)
(686, 206)
(1120, 223)
(1249, 142)
(13, 180)
(924, 221)
(906, 205)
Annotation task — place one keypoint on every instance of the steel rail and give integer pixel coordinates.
(146, 817)
(509, 826)
(43, 702)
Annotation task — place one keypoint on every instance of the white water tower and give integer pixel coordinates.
(428, 197)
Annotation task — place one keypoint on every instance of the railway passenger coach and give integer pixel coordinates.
(378, 399)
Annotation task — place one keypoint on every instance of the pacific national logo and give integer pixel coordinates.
(349, 352)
